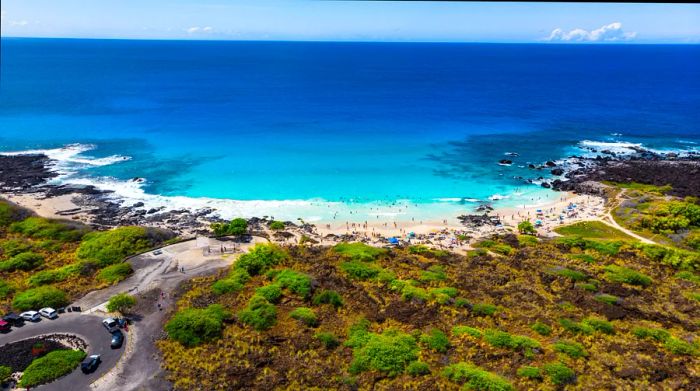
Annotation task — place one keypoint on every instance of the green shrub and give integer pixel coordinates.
(51, 366)
(461, 330)
(409, 290)
(360, 270)
(575, 327)
(235, 282)
(614, 273)
(476, 378)
(461, 302)
(259, 314)
(5, 372)
(418, 368)
(600, 325)
(436, 340)
(588, 287)
(22, 261)
(109, 247)
(328, 297)
(651, 333)
(41, 228)
(484, 309)
(530, 372)
(502, 248)
(386, 276)
(527, 240)
(572, 275)
(329, 340)
(9, 213)
(121, 302)
(688, 276)
(607, 299)
(12, 247)
(358, 334)
(443, 295)
(434, 273)
(502, 339)
(389, 352)
(271, 292)
(681, 347)
(559, 373)
(541, 328)
(526, 228)
(277, 225)
(5, 288)
(584, 257)
(260, 258)
(115, 273)
(570, 348)
(193, 326)
(677, 258)
(305, 315)
(295, 282)
(235, 227)
(45, 296)
(359, 251)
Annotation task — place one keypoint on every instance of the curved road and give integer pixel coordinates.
(87, 327)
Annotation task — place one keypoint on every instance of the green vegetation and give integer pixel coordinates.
(5, 372)
(670, 343)
(276, 225)
(41, 228)
(476, 378)
(109, 247)
(360, 270)
(615, 273)
(502, 339)
(190, 327)
(235, 281)
(235, 227)
(576, 327)
(121, 303)
(45, 296)
(5, 288)
(607, 299)
(328, 297)
(10, 213)
(541, 328)
(671, 217)
(592, 230)
(22, 261)
(359, 251)
(570, 348)
(651, 333)
(572, 275)
(51, 366)
(689, 276)
(530, 372)
(389, 352)
(259, 314)
(418, 368)
(484, 309)
(295, 282)
(260, 258)
(328, 339)
(641, 187)
(436, 340)
(433, 274)
(526, 228)
(461, 330)
(50, 276)
(559, 373)
(305, 315)
(271, 292)
(115, 273)
(600, 325)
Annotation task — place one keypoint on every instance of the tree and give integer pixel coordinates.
(276, 225)
(526, 228)
(121, 302)
(236, 227)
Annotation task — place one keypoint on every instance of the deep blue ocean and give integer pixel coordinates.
(345, 123)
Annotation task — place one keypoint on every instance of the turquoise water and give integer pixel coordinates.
(320, 130)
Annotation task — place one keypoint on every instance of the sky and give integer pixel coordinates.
(353, 21)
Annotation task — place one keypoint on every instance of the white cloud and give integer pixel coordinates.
(608, 33)
(198, 30)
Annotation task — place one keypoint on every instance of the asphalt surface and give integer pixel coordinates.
(87, 327)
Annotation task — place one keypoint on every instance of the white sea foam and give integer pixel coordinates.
(456, 199)
(497, 197)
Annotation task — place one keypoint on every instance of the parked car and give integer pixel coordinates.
(48, 312)
(31, 316)
(13, 319)
(157, 252)
(91, 364)
(4, 326)
(110, 324)
(117, 339)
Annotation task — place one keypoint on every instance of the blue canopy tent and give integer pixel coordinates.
(393, 241)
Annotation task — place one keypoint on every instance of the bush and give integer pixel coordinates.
(436, 340)
(305, 315)
(651, 333)
(681, 347)
(572, 275)
(559, 373)
(236, 227)
(503, 339)
(10, 213)
(45, 296)
(484, 309)
(51, 366)
(530, 372)
(121, 302)
(688, 276)
(476, 378)
(599, 325)
(575, 327)
(693, 240)
(260, 258)
(276, 225)
(570, 348)
(271, 292)
(614, 273)
(46, 277)
(461, 330)
(12, 247)
(109, 247)
(5, 288)
(390, 352)
(526, 228)
(462, 302)
(541, 328)
(295, 282)
(443, 295)
(193, 326)
(434, 273)
(41, 228)
(23, 261)
(409, 290)
(115, 273)
(418, 368)
(259, 314)
(5, 372)
(328, 297)
(329, 340)
(235, 282)
(527, 240)
(359, 251)
(360, 270)
(607, 299)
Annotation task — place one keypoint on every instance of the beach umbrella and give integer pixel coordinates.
(393, 241)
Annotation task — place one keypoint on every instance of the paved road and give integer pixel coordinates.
(88, 328)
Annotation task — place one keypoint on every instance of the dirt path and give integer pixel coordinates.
(610, 221)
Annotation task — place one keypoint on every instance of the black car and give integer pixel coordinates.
(13, 319)
(117, 339)
(91, 364)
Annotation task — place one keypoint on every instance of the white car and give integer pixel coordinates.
(32, 316)
(110, 324)
(48, 312)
